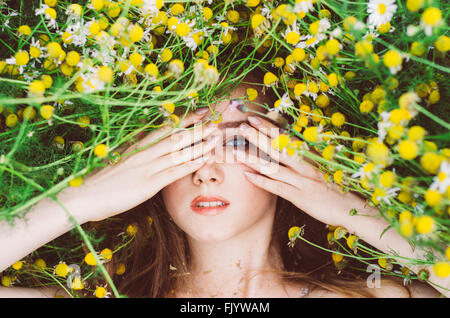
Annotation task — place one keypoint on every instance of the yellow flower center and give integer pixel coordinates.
(392, 59)
(292, 37)
(425, 224)
(183, 29)
(442, 176)
(100, 292)
(381, 9)
(310, 41)
(442, 269)
(432, 16)
(280, 142)
(22, 58)
(311, 134)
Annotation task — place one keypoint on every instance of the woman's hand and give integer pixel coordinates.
(166, 156)
(293, 178)
(302, 184)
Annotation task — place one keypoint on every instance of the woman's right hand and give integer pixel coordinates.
(139, 176)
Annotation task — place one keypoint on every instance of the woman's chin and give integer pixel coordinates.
(211, 235)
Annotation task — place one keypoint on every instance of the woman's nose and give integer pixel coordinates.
(208, 173)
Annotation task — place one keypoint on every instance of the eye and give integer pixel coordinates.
(238, 141)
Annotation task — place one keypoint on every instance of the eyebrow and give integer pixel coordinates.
(231, 124)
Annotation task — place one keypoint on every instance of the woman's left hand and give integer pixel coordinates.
(293, 178)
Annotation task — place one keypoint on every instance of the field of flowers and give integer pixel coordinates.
(365, 83)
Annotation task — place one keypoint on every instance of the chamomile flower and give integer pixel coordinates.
(431, 18)
(258, 21)
(270, 79)
(90, 82)
(36, 51)
(49, 14)
(442, 180)
(292, 34)
(282, 104)
(101, 292)
(313, 133)
(151, 7)
(20, 59)
(310, 41)
(336, 33)
(393, 60)
(384, 124)
(266, 11)
(368, 170)
(24, 30)
(195, 36)
(319, 26)
(407, 102)
(194, 39)
(74, 10)
(312, 90)
(176, 67)
(380, 11)
(303, 5)
(385, 195)
(77, 33)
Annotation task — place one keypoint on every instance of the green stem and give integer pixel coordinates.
(91, 249)
(432, 116)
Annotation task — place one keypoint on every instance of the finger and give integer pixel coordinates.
(260, 141)
(172, 143)
(284, 190)
(199, 151)
(173, 173)
(166, 130)
(272, 131)
(181, 142)
(270, 169)
(193, 118)
(268, 132)
(299, 160)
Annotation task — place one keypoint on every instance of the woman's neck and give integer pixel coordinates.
(242, 266)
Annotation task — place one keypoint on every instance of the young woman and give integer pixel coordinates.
(234, 250)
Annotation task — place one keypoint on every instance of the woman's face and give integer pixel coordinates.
(222, 177)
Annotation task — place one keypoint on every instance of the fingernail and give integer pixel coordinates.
(254, 120)
(201, 111)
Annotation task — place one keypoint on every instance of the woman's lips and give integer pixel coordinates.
(208, 210)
